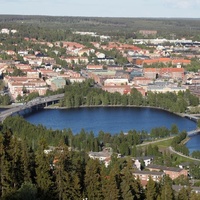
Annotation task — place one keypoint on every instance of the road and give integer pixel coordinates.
(34, 102)
(155, 141)
(180, 154)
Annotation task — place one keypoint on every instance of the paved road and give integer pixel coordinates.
(155, 141)
(34, 102)
(180, 154)
(170, 148)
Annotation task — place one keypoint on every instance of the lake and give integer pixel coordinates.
(112, 120)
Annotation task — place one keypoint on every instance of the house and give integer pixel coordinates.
(103, 156)
(116, 82)
(148, 32)
(144, 176)
(177, 188)
(5, 31)
(16, 85)
(94, 67)
(100, 55)
(154, 73)
(56, 83)
(122, 89)
(142, 81)
(165, 89)
(146, 159)
(173, 172)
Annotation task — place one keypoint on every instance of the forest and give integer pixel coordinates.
(121, 27)
(28, 173)
(85, 94)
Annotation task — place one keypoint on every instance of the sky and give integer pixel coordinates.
(104, 8)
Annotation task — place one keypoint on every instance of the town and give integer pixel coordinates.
(163, 66)
(34, 68)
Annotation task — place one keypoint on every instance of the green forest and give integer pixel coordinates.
(28, 173)
(123, 28)
(85, 94)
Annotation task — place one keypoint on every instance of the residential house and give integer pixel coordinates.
(100, 55)
(103, 156)
(122, 89)
(116, 82)
(148, 32)
(177, 188)
(56, 83)
(94, 67)
(138, 160)
(142, 81)
(144, 176)
(173, 172)
(17, 85)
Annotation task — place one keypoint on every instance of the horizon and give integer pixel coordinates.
(42, 15)
(108, 9)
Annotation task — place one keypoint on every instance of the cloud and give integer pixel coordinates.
(183, 3)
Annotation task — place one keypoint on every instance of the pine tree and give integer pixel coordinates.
(26, 162)
(67, 181)
(17, 171)
(43, 172)
(110, 188)
(130, 188)
(167, 192)
(6, 164)
(92, 180)
(151, 190)
(184, 193)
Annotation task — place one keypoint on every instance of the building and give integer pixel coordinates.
(122, 89)
(94, 67)
(138, 160)
(148, 32)
(56, 83)
(144, 176)
(154, 73)
(116, 82)
(103, 156)
(173, 172)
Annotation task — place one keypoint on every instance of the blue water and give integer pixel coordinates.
(194, 143)
(111, 119)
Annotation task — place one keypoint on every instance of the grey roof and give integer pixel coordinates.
(176, 169)
(148, 172)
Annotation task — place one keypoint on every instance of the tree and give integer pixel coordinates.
(198, 123)
(43, 172)
(67, 181)
(93, 180)
(184, 193)
(28, 191)
(174, 129)
(130, 188)
(110, 189)
(167, 192)
(151, 190)
(6, 164)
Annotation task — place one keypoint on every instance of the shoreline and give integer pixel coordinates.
(117, 106)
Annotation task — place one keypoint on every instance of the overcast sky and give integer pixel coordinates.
(103, 8)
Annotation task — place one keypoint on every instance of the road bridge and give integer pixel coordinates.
(193, 132)
(193, 117)
(35, 104)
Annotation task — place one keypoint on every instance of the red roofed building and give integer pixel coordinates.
(94, 67)
(122, 89)
(173, 172)
(153, 73)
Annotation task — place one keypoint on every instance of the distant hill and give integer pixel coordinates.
(117, 26)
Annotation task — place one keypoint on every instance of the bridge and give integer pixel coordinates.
(35, 104)
(193, 117)
(193, 132)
